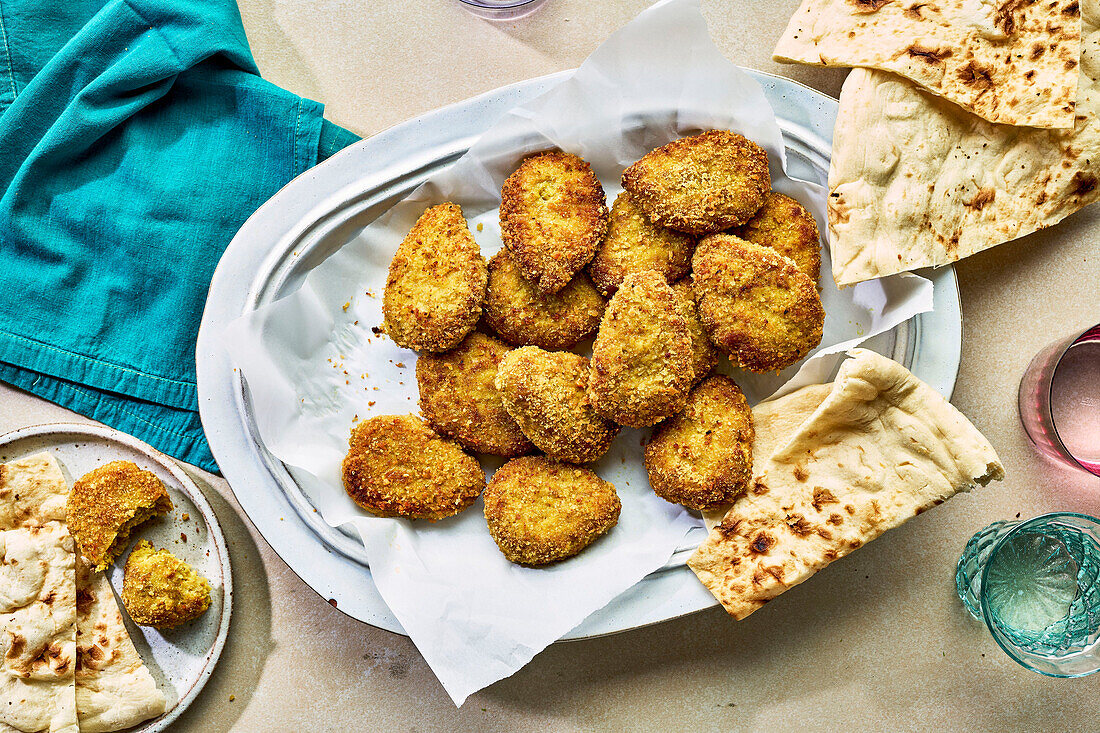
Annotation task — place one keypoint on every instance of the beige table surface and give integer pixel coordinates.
(877, 641)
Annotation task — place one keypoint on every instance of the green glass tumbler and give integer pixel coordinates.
(1034, 584)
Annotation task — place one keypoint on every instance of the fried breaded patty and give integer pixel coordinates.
(546, 392)
(436, 283)
(642, 356)
(459, 399)
(540, 511)
(701, 184)
(523, 316)
(160, 590)
(634, 243)
(106, 504)
(702, 458)
(553, 215)
(397, 466)
(756, 304)
(704, 356)
(784, 225)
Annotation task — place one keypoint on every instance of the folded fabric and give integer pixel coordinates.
(136, 137)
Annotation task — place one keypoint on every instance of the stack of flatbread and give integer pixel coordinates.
(68, 662)
(835, 466)
(966, 123)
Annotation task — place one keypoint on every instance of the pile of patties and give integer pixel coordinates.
(696, 257)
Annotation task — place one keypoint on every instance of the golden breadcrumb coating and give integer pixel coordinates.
(701, 184)
(523, 316)
(642, 356)
(540, 511)
(634, 243)
(160, 590)
(704, 356)
(784, 225)
(553, 215)
(756, 304)
(107, 503)
(546, 392)
(436, 283)
(702, 458)
(459, 399)
(398, 467)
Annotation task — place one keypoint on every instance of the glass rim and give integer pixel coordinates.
(987, 614)
(1090, 331)
(502, 5)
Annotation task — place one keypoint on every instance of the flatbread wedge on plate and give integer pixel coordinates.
(37, 599)
(114, 689)
(1007, 61)
(881, 448)
(917, 182)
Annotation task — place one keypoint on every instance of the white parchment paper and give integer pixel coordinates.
(313, 364)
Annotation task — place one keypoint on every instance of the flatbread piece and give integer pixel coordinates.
(917, 182)
(114, 687)
(880, 449)
(1011, 61)
(37, 600)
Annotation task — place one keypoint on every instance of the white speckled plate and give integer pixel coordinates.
(180, 659)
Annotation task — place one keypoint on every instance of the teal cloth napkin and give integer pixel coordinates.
(136, 137)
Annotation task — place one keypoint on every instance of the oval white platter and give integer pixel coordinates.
(180, 659)
(323, 208)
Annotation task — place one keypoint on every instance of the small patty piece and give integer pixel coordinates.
(553, 215)
(641, 359)
(106, 504)
(540, 511)
(704, 356)
(756, 304)
(784, 225)
(634, 243)
(436, 283)
(459, 400)
(546, 392)
(160, 590)
(398, 467)
(702, 458)
(701, 184)
(523, 316)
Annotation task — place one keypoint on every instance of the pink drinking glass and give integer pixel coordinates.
(1060, 400)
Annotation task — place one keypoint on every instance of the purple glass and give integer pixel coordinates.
(1060, 400)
